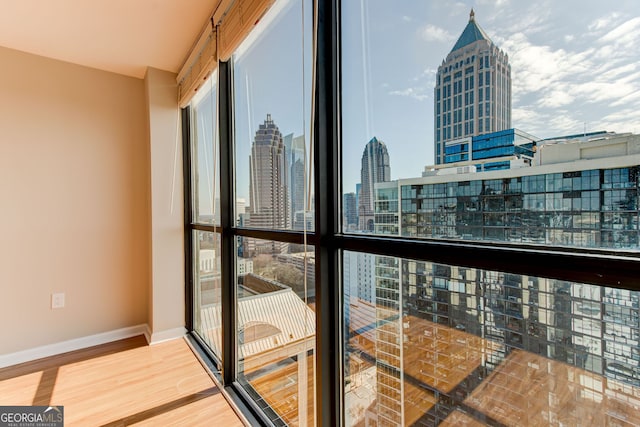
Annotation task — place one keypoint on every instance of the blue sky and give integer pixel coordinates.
(575, 66)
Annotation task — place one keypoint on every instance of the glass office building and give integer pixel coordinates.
(441, 329)
(588, 208)
(492, 151)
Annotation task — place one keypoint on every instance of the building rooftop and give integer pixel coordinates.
(472, 33)
(278, 320)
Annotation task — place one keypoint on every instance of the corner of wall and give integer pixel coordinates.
(167, 296)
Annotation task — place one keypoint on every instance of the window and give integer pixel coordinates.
(205, 208)
(275, 305)
(413, 307)
(400, 289)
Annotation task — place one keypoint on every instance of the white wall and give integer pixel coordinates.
(74, 201)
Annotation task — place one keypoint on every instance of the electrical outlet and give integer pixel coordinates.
(57, 300)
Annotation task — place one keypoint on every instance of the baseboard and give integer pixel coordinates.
(73, 344)
(167, 335)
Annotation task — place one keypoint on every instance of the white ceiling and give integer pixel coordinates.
(121, 36)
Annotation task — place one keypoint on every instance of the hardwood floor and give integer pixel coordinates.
(121, 384)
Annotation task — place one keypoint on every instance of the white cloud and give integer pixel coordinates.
(605, 53)
(406, 18)
(458, 9)
(604, 22)
(432, 33)
(526, 118)
(418, 93)
(570, 87)
(626, 120)
(428, 74)
(622, 115)
(534, 19)
(630, 99)
(497, 3)
(618, 72)
(564, 123)
(625, 35)
(535, 68)
(602, 91)
(556, 98)
(545, 122)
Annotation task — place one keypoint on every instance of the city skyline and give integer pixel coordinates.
(598, 89)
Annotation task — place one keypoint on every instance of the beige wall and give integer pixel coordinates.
(74, 209)
(166, 302)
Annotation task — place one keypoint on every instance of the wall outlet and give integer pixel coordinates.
(57, 300)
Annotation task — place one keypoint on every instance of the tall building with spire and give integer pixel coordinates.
(268, 180)
(472, 95)
(375, 168)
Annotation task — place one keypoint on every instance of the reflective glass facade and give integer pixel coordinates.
(588, 208)
(453, 342)
(509, 143)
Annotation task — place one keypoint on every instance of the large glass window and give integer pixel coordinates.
(275, 277)
(550, 166)
(481, 275)
(205, 211)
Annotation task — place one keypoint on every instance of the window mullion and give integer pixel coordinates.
(228, 294)
(188, 215)
(329, 377)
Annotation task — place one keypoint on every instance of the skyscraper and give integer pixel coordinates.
(297, 175)
(350, 214)
(472, 95)
(268, 179)
(375, 168)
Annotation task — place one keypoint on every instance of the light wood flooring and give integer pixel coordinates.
(120, 384)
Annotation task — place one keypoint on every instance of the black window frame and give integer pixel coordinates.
(612, 268)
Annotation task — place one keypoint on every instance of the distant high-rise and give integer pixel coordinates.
(298, 174)
(358, 191)
(375, 168)
(350, 214)
(472, 95)
(268, 179)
